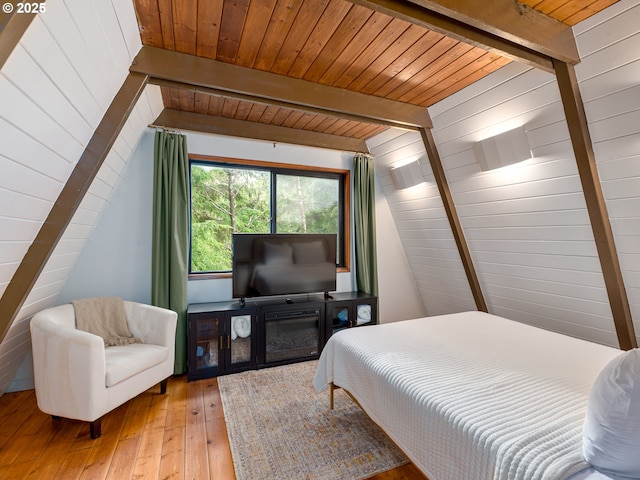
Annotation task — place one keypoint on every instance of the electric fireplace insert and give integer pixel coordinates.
(292, 334)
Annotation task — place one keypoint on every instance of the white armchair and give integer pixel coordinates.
(77, 377)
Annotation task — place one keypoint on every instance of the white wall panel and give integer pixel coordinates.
(126, 17)
(117, 155)
(68, 61)
(542, 214)
(17, 177)
(422, 225)
(527, 225)
(610, 81)
(94, 33)
(18, 205)
(54, 90)
(24, 73)
(18, 229)
(20, 147)
(111, 33)
(25, 114)
(11, 250)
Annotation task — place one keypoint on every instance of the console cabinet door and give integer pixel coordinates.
(221, 342)
(350, 313)
(205, 337)
(339, 316)
(365, 312)
(240, 348)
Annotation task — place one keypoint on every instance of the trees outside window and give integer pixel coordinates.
(307, 204)
(231, 197)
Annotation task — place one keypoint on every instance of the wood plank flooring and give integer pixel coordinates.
(181, 435)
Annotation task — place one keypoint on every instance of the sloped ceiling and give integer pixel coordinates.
(53, 99)
(413, 53)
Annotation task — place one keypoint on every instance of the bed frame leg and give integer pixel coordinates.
(331, 390)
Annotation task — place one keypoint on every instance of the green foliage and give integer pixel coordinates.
(307, 204)
(224, 201)
(237, 200)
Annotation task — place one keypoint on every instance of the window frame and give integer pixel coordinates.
(344, 227)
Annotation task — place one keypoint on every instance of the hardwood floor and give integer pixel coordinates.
(181, 435)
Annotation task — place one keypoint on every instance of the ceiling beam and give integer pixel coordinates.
(538, 56)
(452, 215)
(198, 122)
(596, 205)
(69, 200)
(512, 21)
(274, 103)
(12, 27)
(165, 65)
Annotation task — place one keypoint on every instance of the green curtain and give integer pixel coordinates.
(171, 234)
(365, 224)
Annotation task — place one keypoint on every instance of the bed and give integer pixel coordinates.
(476, 396)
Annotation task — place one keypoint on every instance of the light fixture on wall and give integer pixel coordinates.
(503, 149)
(407, 175)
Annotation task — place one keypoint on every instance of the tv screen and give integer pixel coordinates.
(283, 264)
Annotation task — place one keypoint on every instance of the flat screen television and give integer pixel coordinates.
(283, 264)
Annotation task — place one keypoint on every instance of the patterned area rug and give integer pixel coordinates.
(280, 428)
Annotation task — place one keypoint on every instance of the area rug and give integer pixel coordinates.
(281, 429)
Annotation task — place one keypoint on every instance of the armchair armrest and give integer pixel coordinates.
(69, 365)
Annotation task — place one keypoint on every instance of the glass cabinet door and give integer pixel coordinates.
(350, 309)
(207, 346)
(365, 313)
(205, 336)
(240, 338)
(221, 342)
(340, 316)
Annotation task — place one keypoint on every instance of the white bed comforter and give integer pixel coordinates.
(471, 396)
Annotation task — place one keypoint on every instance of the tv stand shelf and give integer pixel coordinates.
(233, 336)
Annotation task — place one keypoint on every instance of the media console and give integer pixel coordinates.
(228, 337)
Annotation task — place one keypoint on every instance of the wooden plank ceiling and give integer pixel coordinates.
(330, 42)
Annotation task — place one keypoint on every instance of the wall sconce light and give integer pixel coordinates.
(502, 150)
(407, 175)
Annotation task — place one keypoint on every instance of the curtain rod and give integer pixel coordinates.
(166, 129)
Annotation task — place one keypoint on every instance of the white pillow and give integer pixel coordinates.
(611, 433)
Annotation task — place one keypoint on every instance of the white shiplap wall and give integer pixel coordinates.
(54, 89)
(610, 86)
(527, 225)
(422, 225)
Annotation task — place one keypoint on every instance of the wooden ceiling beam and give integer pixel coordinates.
(274, 103)
(165, 65)
(69, 199)
(596, 204)
(539, 56)
(513, 21)
(198, 122)
(12, 27)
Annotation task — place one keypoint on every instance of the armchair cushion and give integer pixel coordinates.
(128, 360)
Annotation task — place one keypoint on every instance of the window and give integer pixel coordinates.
(234, 196)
